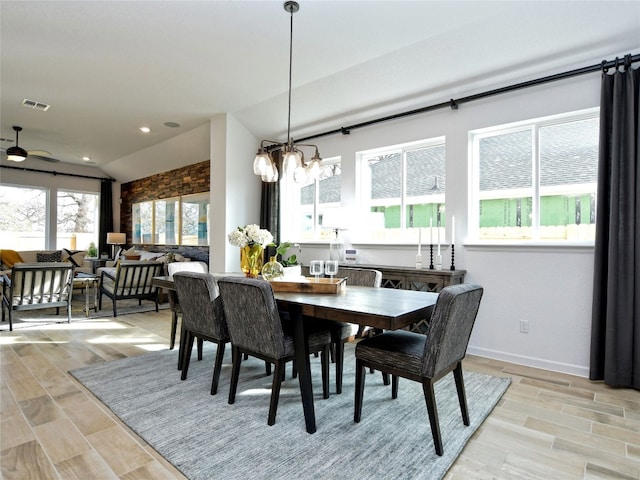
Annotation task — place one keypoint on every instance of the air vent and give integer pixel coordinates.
(35, 105)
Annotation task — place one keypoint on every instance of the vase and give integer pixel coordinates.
(272, 269)
(251, 260)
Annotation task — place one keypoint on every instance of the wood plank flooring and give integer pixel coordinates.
(547, 426)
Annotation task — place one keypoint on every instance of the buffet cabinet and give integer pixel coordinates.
(424, 280)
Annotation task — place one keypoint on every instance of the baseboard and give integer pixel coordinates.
(534, 362)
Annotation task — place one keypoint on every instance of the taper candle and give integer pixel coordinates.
(431, 231)
(419, 241)
(453, 230)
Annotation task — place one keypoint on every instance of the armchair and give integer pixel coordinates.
(132, 279)
(36, 286)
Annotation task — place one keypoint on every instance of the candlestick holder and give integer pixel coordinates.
(453, 265)
(431, 257)
(418, 261)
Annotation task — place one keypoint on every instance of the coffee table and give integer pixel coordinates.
(88, 281)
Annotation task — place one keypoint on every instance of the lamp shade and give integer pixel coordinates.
(114, 238)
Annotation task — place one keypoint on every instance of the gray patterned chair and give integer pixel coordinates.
(174, 303)
(256, 329)
(202, 317)
(342, 332)
(425, 358)
(37, 285)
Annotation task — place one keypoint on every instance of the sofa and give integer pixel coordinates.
(77, 257)
(133, 254)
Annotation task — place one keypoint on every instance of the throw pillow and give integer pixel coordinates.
(49, 256)
(132, 257)
(73, 256)
(9, 258)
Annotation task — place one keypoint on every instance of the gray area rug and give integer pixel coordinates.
(206, 438)
(47, 316)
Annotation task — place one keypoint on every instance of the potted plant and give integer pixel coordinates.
(290, 263)
(92, 251)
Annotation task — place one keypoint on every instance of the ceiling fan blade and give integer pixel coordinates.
(43, 157)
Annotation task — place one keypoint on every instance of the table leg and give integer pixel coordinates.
(86, 297)
(303, 366)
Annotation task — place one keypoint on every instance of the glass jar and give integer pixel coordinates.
(272, 269)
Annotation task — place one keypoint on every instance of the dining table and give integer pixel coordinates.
(380, 308)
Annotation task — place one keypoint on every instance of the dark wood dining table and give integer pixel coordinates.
(383, 308)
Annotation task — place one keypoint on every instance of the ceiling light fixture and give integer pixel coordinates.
(144, 129)
(15, 153)
(292, 157)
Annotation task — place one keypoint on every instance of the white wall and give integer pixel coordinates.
(549, 286)
(235, 190)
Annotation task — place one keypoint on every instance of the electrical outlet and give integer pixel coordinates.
(524, 326)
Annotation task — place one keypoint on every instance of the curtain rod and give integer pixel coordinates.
(54, 173)
(626, 61)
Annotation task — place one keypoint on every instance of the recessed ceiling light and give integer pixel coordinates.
(144, 129)
(86, 159)
(171, 124)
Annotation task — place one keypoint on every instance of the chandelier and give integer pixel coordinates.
(293, 162)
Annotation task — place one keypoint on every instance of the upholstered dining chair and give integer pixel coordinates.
(202, 317)
(174, 303)
(256, 328)
(342, 332)
(425, 358)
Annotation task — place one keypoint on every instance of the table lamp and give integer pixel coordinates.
(115, 238)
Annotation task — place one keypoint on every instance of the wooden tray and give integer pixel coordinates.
(323, 285)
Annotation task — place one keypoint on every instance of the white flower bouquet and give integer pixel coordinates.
(250, 235)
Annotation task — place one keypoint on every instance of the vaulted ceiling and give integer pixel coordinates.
(108, 67)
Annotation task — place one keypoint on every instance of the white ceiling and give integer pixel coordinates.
(107, 67)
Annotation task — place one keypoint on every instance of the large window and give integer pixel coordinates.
(309, 208)
(403, 189)
(172, 221)
(77, 219)
(23, 217)
(536, 180)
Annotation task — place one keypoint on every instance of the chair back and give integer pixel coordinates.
(194, 266)
(362, 277)
(201, 305)
(40, 283)
(252, 316)
(135, 277)
(450, 327)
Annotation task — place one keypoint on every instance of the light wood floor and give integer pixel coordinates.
(547, 425)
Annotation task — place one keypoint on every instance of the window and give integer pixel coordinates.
(23, 217)
(309, 207)
(536, 180)
(403, 188)
(195, 219)
(77, 219)
(172, 221)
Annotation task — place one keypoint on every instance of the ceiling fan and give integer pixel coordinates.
(19, 154)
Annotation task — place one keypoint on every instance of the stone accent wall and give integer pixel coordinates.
(181, 181)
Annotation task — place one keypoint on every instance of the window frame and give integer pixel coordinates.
(404, 234)
(475, 196)
(138, 238)
(289, 195)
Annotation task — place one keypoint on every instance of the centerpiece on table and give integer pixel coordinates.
(251, 239)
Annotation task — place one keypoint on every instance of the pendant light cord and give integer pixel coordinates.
(291, 10)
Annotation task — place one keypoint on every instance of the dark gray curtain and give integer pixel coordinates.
(270, 206)
(106, 215)
(615, 335)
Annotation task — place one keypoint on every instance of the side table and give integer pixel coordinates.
(88, 281)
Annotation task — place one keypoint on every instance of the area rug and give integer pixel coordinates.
(206, 438)
(47, 316)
